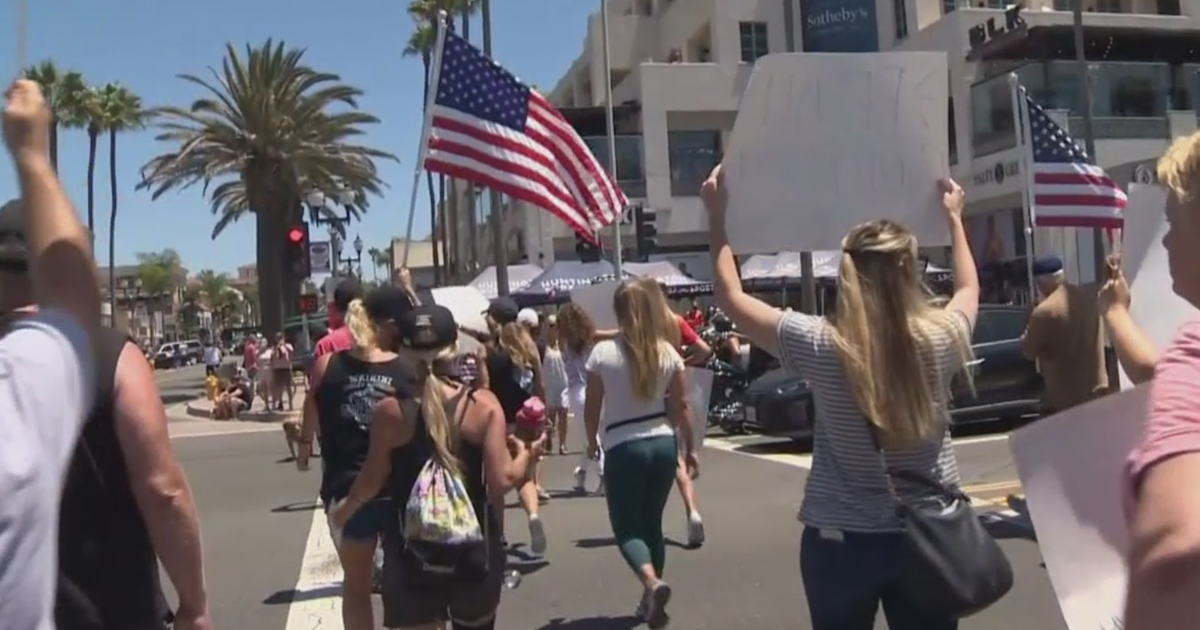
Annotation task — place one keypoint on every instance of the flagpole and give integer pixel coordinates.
(1021, 127)
(495, 200)
(435, 71)
(611, 130)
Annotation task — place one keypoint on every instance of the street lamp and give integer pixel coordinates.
(350, 261)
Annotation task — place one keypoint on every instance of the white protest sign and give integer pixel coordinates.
(1071, 466)
(467, 304)
(699, 383)
(1155, 307)
(823, 142)
(597, 301)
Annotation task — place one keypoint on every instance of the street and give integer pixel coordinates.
(270, 564)
(181, 384)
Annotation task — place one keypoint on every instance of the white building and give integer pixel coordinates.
(679, 68)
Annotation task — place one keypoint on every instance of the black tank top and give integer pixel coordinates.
(108, 570)
(348, 392)
(511, 383)
(408, 460)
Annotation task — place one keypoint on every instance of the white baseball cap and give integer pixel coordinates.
(528, 316)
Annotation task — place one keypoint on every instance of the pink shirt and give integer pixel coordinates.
(335, 340)
(1174, 424)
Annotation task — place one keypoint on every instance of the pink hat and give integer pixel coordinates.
(533, 412)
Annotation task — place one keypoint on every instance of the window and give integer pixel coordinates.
(1108, 6)
(1168, 7)
(901, 19)
(1062, 5)
(692, 155)
(998, 325)
(754, 40)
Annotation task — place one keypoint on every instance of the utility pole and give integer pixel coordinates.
(611, 131)
(808, 283)
(496, 202)
(1089, 137)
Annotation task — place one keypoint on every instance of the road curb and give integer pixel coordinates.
(202, 408)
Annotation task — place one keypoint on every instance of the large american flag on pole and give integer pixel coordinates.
(1069, 190)
(493, 130)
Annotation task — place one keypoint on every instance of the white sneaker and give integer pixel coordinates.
(695, 530)
(580, 479)
(537, 536)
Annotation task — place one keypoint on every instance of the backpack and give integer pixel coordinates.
(443, 537)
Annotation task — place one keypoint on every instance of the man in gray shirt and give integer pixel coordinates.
(46, 370)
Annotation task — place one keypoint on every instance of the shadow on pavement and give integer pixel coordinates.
(609, 541)
(292, 595)
(777, 447)
(175, 399)
(298, 506)
(627, 622)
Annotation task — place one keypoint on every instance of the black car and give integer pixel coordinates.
(1007, 385)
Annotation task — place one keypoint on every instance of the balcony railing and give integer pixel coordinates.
(1129, 100)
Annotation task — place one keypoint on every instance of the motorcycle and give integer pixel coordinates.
(726, 404)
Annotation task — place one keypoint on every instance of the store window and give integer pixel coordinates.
(754, 40)
(692, 155)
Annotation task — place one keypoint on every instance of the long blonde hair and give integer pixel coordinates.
(513, 340)
(639, 304)
(363, 333)
(432, 368)
(886, 330)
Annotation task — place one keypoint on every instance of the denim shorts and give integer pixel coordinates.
(367, 523)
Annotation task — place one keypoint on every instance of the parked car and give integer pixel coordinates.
(1007, 385)
(174, 354)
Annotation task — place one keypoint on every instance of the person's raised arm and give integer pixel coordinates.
(308, 413)
(1135, 352)
(962, 263)
(160, 488)
(759, 320)
(61, 266)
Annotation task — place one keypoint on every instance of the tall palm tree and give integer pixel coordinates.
(214, 291)
(63, 91)
(421, 43)
(269, 128)
(89, 114)
(159, 275)
(121, 112)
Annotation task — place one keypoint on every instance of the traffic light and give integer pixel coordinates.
(587, 250)
(645, 230)
(295, 253)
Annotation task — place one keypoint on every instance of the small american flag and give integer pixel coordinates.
(493, 130)
(1069, 190)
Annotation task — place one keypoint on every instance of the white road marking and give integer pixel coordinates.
(743, 445)
(318, 601)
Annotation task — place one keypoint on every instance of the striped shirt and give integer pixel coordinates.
(847, 487)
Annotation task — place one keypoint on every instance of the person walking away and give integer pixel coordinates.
(1064, 336)
(512, 370)
(578, 334)
(48, 361)
(1164, 468)
(880, 371)
(346, 386)
(460, 432)
(554, 373)
(637, 401)
(212, 359)
(528, 318)
(281, 372)
(338, 337)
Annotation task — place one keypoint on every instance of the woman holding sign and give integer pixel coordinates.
(880, 372)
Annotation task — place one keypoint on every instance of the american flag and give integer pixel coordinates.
(1069, 190)
(493, 130)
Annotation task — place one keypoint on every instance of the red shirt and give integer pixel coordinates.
(687, 334)
(694, 318)
(335, 340)
(250, 356)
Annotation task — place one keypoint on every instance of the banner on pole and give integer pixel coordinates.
(320, 257)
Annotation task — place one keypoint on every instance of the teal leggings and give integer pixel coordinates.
(638, 476)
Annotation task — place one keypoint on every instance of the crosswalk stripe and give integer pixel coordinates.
(317, 602)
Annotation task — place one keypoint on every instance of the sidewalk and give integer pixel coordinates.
(202, 408)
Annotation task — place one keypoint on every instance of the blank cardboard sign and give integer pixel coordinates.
(823, 142)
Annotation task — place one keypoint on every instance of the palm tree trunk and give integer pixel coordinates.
(269, 254)
(93, 140)
(112, 215)
(54, 143)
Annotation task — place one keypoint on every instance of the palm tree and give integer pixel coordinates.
(121, 111)
(159, 274)
(63, 92)
(269, 129)
(89, 114)
(214, 291)
(380, 259)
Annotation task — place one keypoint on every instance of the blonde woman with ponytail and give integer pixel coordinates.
(880, 369)
(463, 429)
(345, 387)
(636, 407)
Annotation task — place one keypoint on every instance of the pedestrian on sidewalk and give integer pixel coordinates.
(212, 359)
(880, 371)
(636, 409)
(346, 386)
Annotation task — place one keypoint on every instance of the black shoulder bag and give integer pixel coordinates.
(948, 564)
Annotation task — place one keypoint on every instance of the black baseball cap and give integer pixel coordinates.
(387, 303)
(504, 310)
(346, 291)
(427, 327)
(14, 249)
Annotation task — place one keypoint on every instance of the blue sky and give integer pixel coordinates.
(143, 44)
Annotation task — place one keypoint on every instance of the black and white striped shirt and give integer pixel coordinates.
(847, 487)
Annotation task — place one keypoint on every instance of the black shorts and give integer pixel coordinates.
(407, 605)
(281, 376)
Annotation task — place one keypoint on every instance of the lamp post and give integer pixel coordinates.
(320, 214)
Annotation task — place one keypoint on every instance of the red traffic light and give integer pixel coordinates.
(295, 235)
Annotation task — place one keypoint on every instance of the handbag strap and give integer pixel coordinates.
(890, 474)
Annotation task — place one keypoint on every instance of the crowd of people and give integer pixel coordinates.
(422, 438)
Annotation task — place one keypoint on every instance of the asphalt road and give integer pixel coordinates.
(270, 566)
(181, 384)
